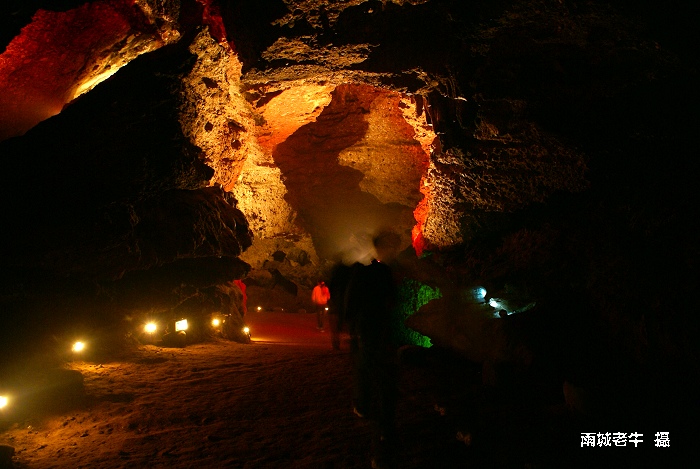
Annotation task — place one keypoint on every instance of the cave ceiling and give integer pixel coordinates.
(330, 120)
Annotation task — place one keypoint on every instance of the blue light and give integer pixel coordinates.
(480, 292)
(494, 303)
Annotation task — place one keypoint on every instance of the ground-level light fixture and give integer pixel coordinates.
(3, 402)
(181, 325)
(150, 328)
(216, 322)
(78, 347)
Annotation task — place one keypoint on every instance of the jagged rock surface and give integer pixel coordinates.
(112, 189)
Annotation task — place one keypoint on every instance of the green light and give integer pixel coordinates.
(411, 296)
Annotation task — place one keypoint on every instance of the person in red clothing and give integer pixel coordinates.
(320, 296)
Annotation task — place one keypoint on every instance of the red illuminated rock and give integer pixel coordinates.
(61, 55)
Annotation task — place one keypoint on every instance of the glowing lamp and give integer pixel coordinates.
(150, 327)
(259, 308)
(326, 309)
(181, 325)
(494, 303)
(480, 292)
(246, 330)
(78, 347)
(3, 402)
(216, 322)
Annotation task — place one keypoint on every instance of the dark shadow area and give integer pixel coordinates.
(40, 393)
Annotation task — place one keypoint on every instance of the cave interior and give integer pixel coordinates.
(533, 157)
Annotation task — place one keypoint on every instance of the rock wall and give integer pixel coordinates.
(109, 208)
(554, 119)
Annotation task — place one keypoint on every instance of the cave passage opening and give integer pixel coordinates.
(354, 172)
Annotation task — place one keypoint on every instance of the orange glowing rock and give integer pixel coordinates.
(60, 55)
(288, 110)
(421, 215)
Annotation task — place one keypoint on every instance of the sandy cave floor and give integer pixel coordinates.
(283, 401)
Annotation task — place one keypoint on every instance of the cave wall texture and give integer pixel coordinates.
(541, 149)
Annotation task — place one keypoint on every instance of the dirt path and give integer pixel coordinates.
(283, 401)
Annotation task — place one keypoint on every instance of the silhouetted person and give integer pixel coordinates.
(371, 298)
(320, 296)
